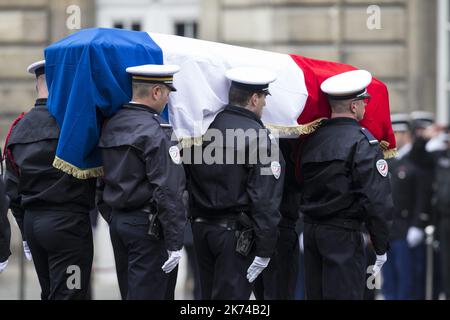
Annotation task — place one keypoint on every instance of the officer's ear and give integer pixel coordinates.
(353, 107)
(254, 99)
(155, 92)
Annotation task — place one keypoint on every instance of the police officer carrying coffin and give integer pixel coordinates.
(345, 183)
(408, 195)
(50, 206)
(5, 229)
(234, 200)
(144, 183)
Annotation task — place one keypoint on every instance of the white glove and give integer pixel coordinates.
(300, 242)
(3, 265)
(27, 251)
(414, 236)
(257, 266)
(378, 264)
(172, 261)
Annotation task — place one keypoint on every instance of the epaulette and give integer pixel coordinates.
(372, 140)
(162, 124)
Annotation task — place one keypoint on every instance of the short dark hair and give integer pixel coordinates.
(240, 97)
(140, 89)
(340, 106)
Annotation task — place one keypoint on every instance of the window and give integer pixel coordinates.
(136, 26)
(118, 25)
(186, 29)
(129, 25)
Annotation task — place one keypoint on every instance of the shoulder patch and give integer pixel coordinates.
(372, 140)
(174, 153)
(275, 167)
(382, 167)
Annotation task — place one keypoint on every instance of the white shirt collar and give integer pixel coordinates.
(403, 151)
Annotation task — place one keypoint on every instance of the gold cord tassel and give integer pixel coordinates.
(301, 129)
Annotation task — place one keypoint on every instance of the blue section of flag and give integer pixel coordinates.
(87, 82)
(165, 114)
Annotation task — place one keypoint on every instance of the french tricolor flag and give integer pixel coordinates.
(87, 83)
(296, 101)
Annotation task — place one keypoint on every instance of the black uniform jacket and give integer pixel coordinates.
(31, 180)
(244, 184)
(139, 170)
(345, 177)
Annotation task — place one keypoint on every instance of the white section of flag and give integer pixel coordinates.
(203, 88)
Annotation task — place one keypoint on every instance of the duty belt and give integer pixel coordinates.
(336, 222)
(228, 224)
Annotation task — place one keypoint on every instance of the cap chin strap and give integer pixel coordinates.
(360, 94)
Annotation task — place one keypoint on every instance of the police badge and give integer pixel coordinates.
(174, 153)
(382, 167)
(275, 167)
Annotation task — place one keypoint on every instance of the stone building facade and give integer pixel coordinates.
(400, 50)
(26, 28)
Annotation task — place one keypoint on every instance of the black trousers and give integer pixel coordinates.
(278, 280)
(335, 263)
(193, 270)
(62, 249)
(223, 271)
(139, 258)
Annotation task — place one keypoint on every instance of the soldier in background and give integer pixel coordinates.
(421, 122)
(408, 196)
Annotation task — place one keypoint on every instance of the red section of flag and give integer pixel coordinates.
(377, 117)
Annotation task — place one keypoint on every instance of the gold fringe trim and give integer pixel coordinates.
(387, 153)
(187, 142)
(298, 130)
(288, 130)
(301, 129)
(78, 173)
(391, 153)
